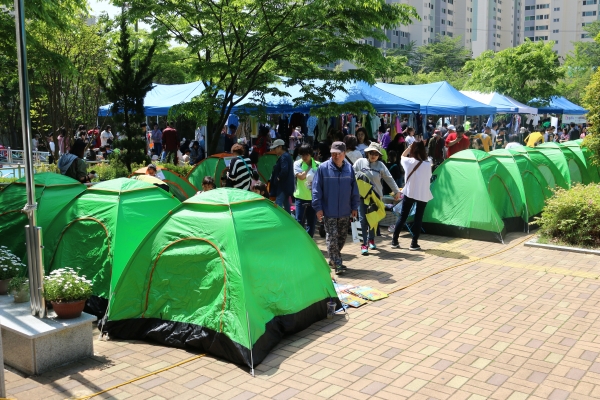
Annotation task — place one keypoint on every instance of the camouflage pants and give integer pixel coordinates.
(336, 230)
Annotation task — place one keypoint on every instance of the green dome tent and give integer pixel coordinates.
(551, 172)
(585, 156)
(228, 273)
(265, 165)
(210, 166)
(99, 231)
(532, 184)
(178, 185)
(475, 197)
(52, 193)
(575, 171)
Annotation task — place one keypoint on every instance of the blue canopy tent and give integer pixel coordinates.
(504, 104)
(439, 98)
(161, 98)
(560, 105)
(381, 100)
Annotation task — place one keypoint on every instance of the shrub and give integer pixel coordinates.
(573, 216)
(18, 284)
(112, 170)
(65, 285)
(182, 170)
(10, 265)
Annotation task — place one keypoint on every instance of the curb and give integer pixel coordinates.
(534, 243)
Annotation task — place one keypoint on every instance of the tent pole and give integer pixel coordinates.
(250, 343)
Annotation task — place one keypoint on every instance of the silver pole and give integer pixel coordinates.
(2, 387)
(34, 262)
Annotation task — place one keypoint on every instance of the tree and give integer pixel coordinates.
(443, 53)
(586, 54)
(243, 46)
(591, 101)
(455, 78)
(126, 88)
(392, 68)
(526, 72)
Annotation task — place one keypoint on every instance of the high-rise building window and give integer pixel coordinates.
(556, 8)
(589, 13)
(589, 2)
(555, 31)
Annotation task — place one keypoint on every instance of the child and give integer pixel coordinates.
(260, 188)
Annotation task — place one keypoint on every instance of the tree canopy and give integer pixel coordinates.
(528, 71)
(243, 46)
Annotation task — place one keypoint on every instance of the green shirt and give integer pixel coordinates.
(302, 192)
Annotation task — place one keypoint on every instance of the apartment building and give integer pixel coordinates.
(495, 24)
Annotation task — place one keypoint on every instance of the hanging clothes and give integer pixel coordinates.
(254, 127)
(323, 127)
(311, 124)
(375, 124)
(352, 125)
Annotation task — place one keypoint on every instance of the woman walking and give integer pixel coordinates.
(375, 170)
(416, 191)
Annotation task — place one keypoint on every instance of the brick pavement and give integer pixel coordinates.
(520, 324)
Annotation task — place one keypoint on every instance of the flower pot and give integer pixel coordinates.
(4, 286)
(22, 296)
(68, 309)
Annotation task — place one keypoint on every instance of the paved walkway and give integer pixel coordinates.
(519, 324)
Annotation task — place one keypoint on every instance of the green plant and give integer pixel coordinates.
(10, 265)
(572, 216)
(182, 170)
(64, 285)
(47, 168)
(17, 284)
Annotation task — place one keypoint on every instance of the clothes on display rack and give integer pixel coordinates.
(311, 124)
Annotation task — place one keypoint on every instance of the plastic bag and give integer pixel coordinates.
(355, 225)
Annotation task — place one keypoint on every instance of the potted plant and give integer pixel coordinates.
(67, 291)
(10, 266)
(19, 288)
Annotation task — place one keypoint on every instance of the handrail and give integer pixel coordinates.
(11, 156)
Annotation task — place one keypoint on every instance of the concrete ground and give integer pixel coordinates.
(520, 323)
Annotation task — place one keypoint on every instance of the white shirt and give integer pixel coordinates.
(354, 155)
(410, 140)
(104, 136)
(417, 187)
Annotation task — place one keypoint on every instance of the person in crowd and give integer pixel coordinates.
(196, 153)
(386, 139)
(443, 130)
(535, 138)
(363, 141)
(304, 170)
(486, 139)
(240, 172)
(564, 137)
(395, 170)
(262, 143)
(513, 141)
(35, 142)
(404, 124)
(230, 138)
(184, 145)
(457, 140)
(260, 188)
(208, 183)
(51, 148)
(548, 134)
(477, 144)
(398, 144)
(152, 170)
(574, 132)
(71, 164)
(282, 178)
(156, 138)
(352, 154)
(410, 136)
(583, 132)
(170, 143)
(416, 191)
(335, 199)
(435, 148)
(295, 138)
(376, 171)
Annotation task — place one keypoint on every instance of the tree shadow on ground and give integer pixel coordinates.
(446, 254)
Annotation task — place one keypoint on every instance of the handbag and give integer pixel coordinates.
(356, 228)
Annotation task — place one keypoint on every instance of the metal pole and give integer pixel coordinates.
(34, 261)
(2, 387)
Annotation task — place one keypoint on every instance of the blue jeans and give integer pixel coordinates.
(283, 201)
(157, 149)
(367, 233)
(306, 216)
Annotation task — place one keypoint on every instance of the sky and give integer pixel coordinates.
(97, 7)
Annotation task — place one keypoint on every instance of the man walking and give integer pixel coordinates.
(170, 143)
(304, 170)
(335, 198)
(282, 178)
(156, 138)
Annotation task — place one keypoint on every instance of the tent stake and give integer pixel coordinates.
(250, 342)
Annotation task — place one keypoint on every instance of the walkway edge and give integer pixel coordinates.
(534, 243)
